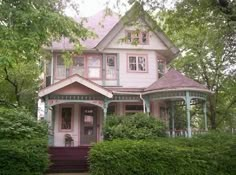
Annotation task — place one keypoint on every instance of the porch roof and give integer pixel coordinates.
(173, 81)
(72, 79)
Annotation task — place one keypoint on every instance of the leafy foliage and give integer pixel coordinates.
(137, 126)
(19, 124)
(206, 37)
(23, 143)
(27, 29)
(213, 154)
(28, 157)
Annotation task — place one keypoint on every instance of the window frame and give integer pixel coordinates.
(115, 67)
(137, 63)
(86, 67)
(133, 37)
(60, 117)
(56, 69)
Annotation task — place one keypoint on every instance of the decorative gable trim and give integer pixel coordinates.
(149, 22)
(72, 79)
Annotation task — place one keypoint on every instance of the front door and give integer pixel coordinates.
(88, 129)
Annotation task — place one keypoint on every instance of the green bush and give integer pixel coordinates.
(28, 157)
(23, 143)
(198, 156)
(19, 124)
(136, 127)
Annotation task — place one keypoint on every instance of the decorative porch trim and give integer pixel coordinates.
(72, 79)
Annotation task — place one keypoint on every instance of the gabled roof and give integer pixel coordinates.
(174, 80)
(134, 14)
(101, 24)
(108, 26)
(72, 79)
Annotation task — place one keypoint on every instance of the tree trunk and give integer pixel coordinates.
(212, 112)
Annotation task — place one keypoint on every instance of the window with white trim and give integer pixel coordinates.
(137, 63)
(111, 67)
(66, 118)
(94, 67)
(137, 37)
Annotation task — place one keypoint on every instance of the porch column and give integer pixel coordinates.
(106, 102)
(187, 101)
(147, 104)
(48, 119)
(173, 118)
(205, 115)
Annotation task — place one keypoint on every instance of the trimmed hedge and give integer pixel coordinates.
(207, 155)
(135, 127)
(23, 157)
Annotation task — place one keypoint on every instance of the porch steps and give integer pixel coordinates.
(68, 159)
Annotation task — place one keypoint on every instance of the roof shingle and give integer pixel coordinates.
(174, 80)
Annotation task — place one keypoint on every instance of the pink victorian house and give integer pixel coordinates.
(112, 77)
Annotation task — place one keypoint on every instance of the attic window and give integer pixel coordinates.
(136, 37)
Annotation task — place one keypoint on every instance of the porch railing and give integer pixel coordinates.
(184, 132)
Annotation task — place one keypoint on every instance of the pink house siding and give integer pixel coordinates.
(75, 88)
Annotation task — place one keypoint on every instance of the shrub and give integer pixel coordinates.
(28, 157)
(23, 143)
(137, 126)
(165, 156)
(19, 124)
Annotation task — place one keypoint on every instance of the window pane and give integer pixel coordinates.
(141, 64)
(88, 120)
(144, 37)
(60, 60)
(132, 59)
(94, 72)
(111, 67)
(94, 61)
(66, 118)
(129, 37)
(111, 61)
(132, 63)
(78, 66)
(60, 68)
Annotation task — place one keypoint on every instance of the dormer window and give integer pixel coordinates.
(136, 37)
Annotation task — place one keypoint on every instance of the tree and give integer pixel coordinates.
(26, 28)
(205, 31)
(206, 38)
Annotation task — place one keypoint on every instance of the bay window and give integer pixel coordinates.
(137, 63)
(86, 66)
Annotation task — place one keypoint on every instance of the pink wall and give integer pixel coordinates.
(75, 88)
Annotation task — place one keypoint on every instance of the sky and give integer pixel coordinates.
(91, 7)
